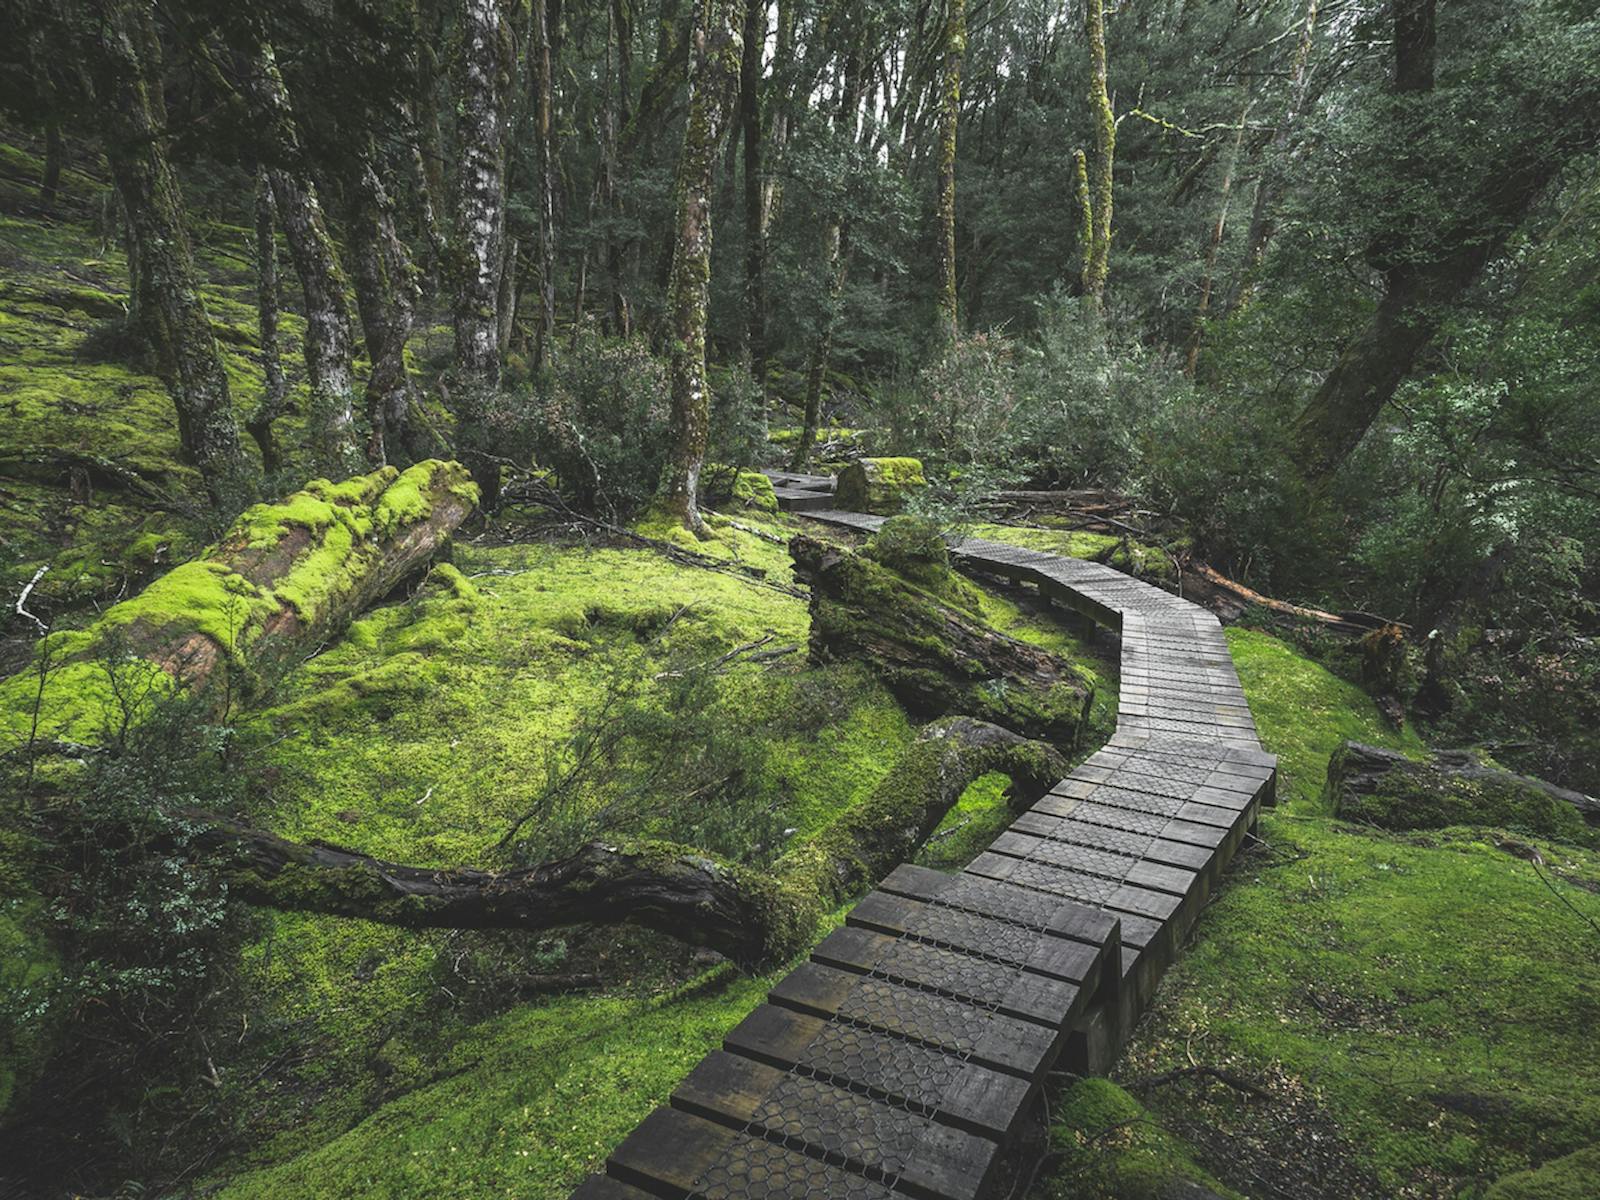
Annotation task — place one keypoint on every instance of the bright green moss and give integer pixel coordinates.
(1573, 1177)
(752, 489)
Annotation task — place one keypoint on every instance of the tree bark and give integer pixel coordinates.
(166, 287)
(754, 916)
(714, 71)
(1213, 245)
(485, 67)
(386, 295)
(274, 388)
(955, 49)
(836, 263)
(545, 170)
(329, 341)
(50, 178)
(755, 228)
(1096, 178)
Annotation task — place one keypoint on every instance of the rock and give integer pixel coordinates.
(878, 485)
(1385, 788)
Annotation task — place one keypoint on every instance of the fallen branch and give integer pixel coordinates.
(22, 600)
(1228, 1078)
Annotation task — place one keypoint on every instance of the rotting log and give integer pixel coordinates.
(1453, 787)
(933, 656)
(279, 582)
(752, 915)
(878, 485)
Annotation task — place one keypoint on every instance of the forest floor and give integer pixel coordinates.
(1400, 1015)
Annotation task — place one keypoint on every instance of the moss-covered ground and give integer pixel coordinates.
(1418, 1010)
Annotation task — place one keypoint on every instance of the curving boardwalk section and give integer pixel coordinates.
(902, 1056)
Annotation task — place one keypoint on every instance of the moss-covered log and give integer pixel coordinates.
(753, 916)
(281, 580)
(935, 657)
(1384, 788)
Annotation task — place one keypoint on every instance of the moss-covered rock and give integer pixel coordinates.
(879, 485)
(1384, 788)
(1575, 1177)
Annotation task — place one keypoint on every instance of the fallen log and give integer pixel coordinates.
(282, 579)
(1453, 787)
(935, 657)
(1230, 600)
(752, 915)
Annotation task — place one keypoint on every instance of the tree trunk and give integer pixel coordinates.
(1428, 265)
(755, 229)
(385, 299)
(166, 286)
(545, 170)
(277, 586)
(835, 258)
(50, 179)
(754, 916)
(1095, 180)
(329, 341)
(955, 49)
(274, 389)
(1213, 245)
(486, 64)
(1262, 222)
(935, 657)
(714, 71)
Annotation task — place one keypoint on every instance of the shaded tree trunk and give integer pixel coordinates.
(1095, 178)
(955, 49)
(385, 299)
(545, 171)
(835, 251)
(274, 388)
(50, 178)
(1263, 224)
(754, 916)
(329, 340)
(1213, 245)
(485, 67)
(713, 74)
(165, 285)
(755, 228)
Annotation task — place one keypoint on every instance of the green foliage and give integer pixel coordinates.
(1572, 1177)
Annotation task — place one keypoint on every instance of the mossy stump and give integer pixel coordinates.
(879, 485)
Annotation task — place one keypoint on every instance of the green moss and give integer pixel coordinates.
(880, 485)
(1304, 712)
(1110, 1148)
(752, 489)
(1424, 797)
(914, 548)
(1573, 1177)
(1423, 1006)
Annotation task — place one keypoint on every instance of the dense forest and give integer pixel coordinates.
(423, 733)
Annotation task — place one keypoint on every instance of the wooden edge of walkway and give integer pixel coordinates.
(901, 1057)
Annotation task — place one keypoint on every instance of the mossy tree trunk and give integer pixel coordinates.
(755, 916)
(1095, 178)
(329, 341)
(274, 388)
(955, 49)
(486, 63)
(540, 79)
(386, 294)
(165, 284)
(714, 70)
(755, 211)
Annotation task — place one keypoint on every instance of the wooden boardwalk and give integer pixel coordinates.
(899, 1059)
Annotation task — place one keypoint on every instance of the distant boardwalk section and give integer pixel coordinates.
(899, 1060)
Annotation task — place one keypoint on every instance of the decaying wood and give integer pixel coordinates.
(934, 657)
(751, 915)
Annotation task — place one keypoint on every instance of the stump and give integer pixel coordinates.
(878, 485)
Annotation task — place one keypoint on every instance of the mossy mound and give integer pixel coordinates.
(1111, 1148)
(914, 549)
(1392, 792)
(879, 485)
(1574, 1177)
